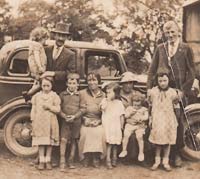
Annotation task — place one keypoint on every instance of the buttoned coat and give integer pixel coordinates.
(64, 64)
(181, 63)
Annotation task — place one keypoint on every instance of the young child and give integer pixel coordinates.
(45, 106)
(112, 121)
(37, 59)
(136, 121)
(164, 123)
(71, 123)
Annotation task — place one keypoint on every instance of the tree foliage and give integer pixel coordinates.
(5, 17)
(133, 26)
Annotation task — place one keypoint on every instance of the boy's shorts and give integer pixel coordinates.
(130, 129)
(70, 130)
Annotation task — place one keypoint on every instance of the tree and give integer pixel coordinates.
(32, 13)
(143, 22)
(5, 16)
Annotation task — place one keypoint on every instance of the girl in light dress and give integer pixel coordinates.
(163, 100)
(45, 106)
(112, 120)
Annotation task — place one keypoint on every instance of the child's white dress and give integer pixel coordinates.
(164, 122)
(37, 59)
(111, 122)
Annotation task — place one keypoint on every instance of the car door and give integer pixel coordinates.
(16, 75)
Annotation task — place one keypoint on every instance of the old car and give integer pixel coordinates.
(15, 77)
(191, 35)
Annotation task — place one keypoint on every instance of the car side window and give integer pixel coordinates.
(19, 64)
(104, 63)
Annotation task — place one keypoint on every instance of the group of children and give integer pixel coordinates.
(118, 123)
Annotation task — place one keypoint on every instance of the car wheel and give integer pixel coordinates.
(17, 134)
(191, 151)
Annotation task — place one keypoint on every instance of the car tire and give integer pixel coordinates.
(16, 122)
(190, 151)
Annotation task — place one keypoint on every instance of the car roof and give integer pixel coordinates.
(190, 2)
(85, 45)
(71, 44)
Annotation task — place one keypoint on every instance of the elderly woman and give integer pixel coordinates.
(92, 141)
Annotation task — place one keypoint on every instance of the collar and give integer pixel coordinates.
(100, 93)
(67, 92)
(163, 89)
(56, 47)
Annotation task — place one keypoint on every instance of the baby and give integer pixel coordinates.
(136, 119)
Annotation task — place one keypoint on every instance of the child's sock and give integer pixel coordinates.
(47, 159)
(42, 159)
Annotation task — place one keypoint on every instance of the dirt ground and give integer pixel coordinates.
(12, 167)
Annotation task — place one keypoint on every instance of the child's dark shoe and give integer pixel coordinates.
(96, 162)
(41, 166)
(86, 162)
(178, 161)
(114, 163)
(48, 166)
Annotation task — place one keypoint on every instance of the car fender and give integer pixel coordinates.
(192, 108)
(11, 106)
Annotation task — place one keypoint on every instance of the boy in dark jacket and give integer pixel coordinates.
(71, 122)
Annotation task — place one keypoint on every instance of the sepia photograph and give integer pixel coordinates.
(99, 89)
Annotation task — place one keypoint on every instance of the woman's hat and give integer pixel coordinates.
(61, 28)
(127, 77)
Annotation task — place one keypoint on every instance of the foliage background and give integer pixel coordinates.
(133, 26)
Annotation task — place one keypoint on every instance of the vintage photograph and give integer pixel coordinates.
(99, 89)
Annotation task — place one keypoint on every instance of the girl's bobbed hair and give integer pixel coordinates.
(116, 88)
(94, 75)
(39, 33)
(162, 72)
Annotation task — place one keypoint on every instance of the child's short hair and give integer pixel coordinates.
(116, 88)
(162, 72)
(48, 78)
(39, 33)
(75, 76)
(138, 97)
